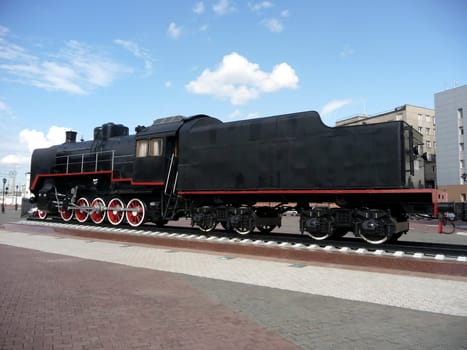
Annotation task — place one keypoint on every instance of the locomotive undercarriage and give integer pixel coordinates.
(118, 203)
(241, 219)
(100, 202)
(375, 226)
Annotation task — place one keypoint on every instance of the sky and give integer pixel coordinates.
(78, 64)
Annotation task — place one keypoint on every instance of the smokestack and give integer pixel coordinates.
(71, 136)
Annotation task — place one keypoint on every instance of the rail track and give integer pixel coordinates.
(346, 245)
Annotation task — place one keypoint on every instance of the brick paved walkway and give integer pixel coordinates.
(78, 299)
(52, 301)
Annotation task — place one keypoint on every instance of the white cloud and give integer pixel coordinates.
(174, 31)
(273, 24)
(37, 139)
(333, 106)
(19, 154)
(256, 7)
(198, 8)
(285, 13)
(168, 84)
(14, 159)
(240, 81)
(223, 7)
(139, 52)
(75, 69)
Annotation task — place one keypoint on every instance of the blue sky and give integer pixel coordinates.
(80, 63)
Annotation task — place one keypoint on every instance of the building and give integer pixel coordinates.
(421, 119)
(450, 107)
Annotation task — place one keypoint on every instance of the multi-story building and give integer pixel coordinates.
(421, 119)
(451, 107)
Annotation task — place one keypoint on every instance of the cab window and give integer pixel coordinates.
(155, 147)
(141, 148)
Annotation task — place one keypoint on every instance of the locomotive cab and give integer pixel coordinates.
(156, 150)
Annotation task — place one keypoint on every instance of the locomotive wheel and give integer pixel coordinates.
(374, 238)
(319, 236)
(66, 215)
(81, 214)
(266, 228)
(98, 211)
(136, 212)
(245, 226)
(41, 214)
(115, 214)
(208, 225)
(243, 230)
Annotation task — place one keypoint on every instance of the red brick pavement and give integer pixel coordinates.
(50, 301)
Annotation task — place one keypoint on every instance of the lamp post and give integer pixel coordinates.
(16, 198)
(3, 195)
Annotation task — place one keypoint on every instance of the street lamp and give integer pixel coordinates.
(16, 198)
(3, 194)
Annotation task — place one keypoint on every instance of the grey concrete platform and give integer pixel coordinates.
(61, 292)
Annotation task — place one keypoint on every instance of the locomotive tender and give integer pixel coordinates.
(243, 175)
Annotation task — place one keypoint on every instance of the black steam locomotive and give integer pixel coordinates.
(242, 175)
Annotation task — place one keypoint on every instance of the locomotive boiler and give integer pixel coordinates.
(242, 175)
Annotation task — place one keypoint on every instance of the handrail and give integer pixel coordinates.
(82, 162)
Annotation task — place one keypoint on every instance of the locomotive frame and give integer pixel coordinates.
(242, 175)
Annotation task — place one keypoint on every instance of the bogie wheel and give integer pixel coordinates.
(319, 236)
(245, 226)
(372, 232)
(208, 225)
(115, 213)
(66, 215)
(41, 214)
(82, 214)
(374, 239)
(136, 212)
(98, 210)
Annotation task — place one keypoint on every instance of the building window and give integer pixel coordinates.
(461, 164)
(461, 130)
(427, 118)
(428, 144)
(141, 148)
(461, 147)
(427, 131)
(155, 147)
(463, 197)
(420, 129)
(399, 116)
(420, 117)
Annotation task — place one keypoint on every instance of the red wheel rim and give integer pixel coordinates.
(81, 214)
(41, 214)
(66, 214)
(98, 211)
(114, 215)
(135, 216)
